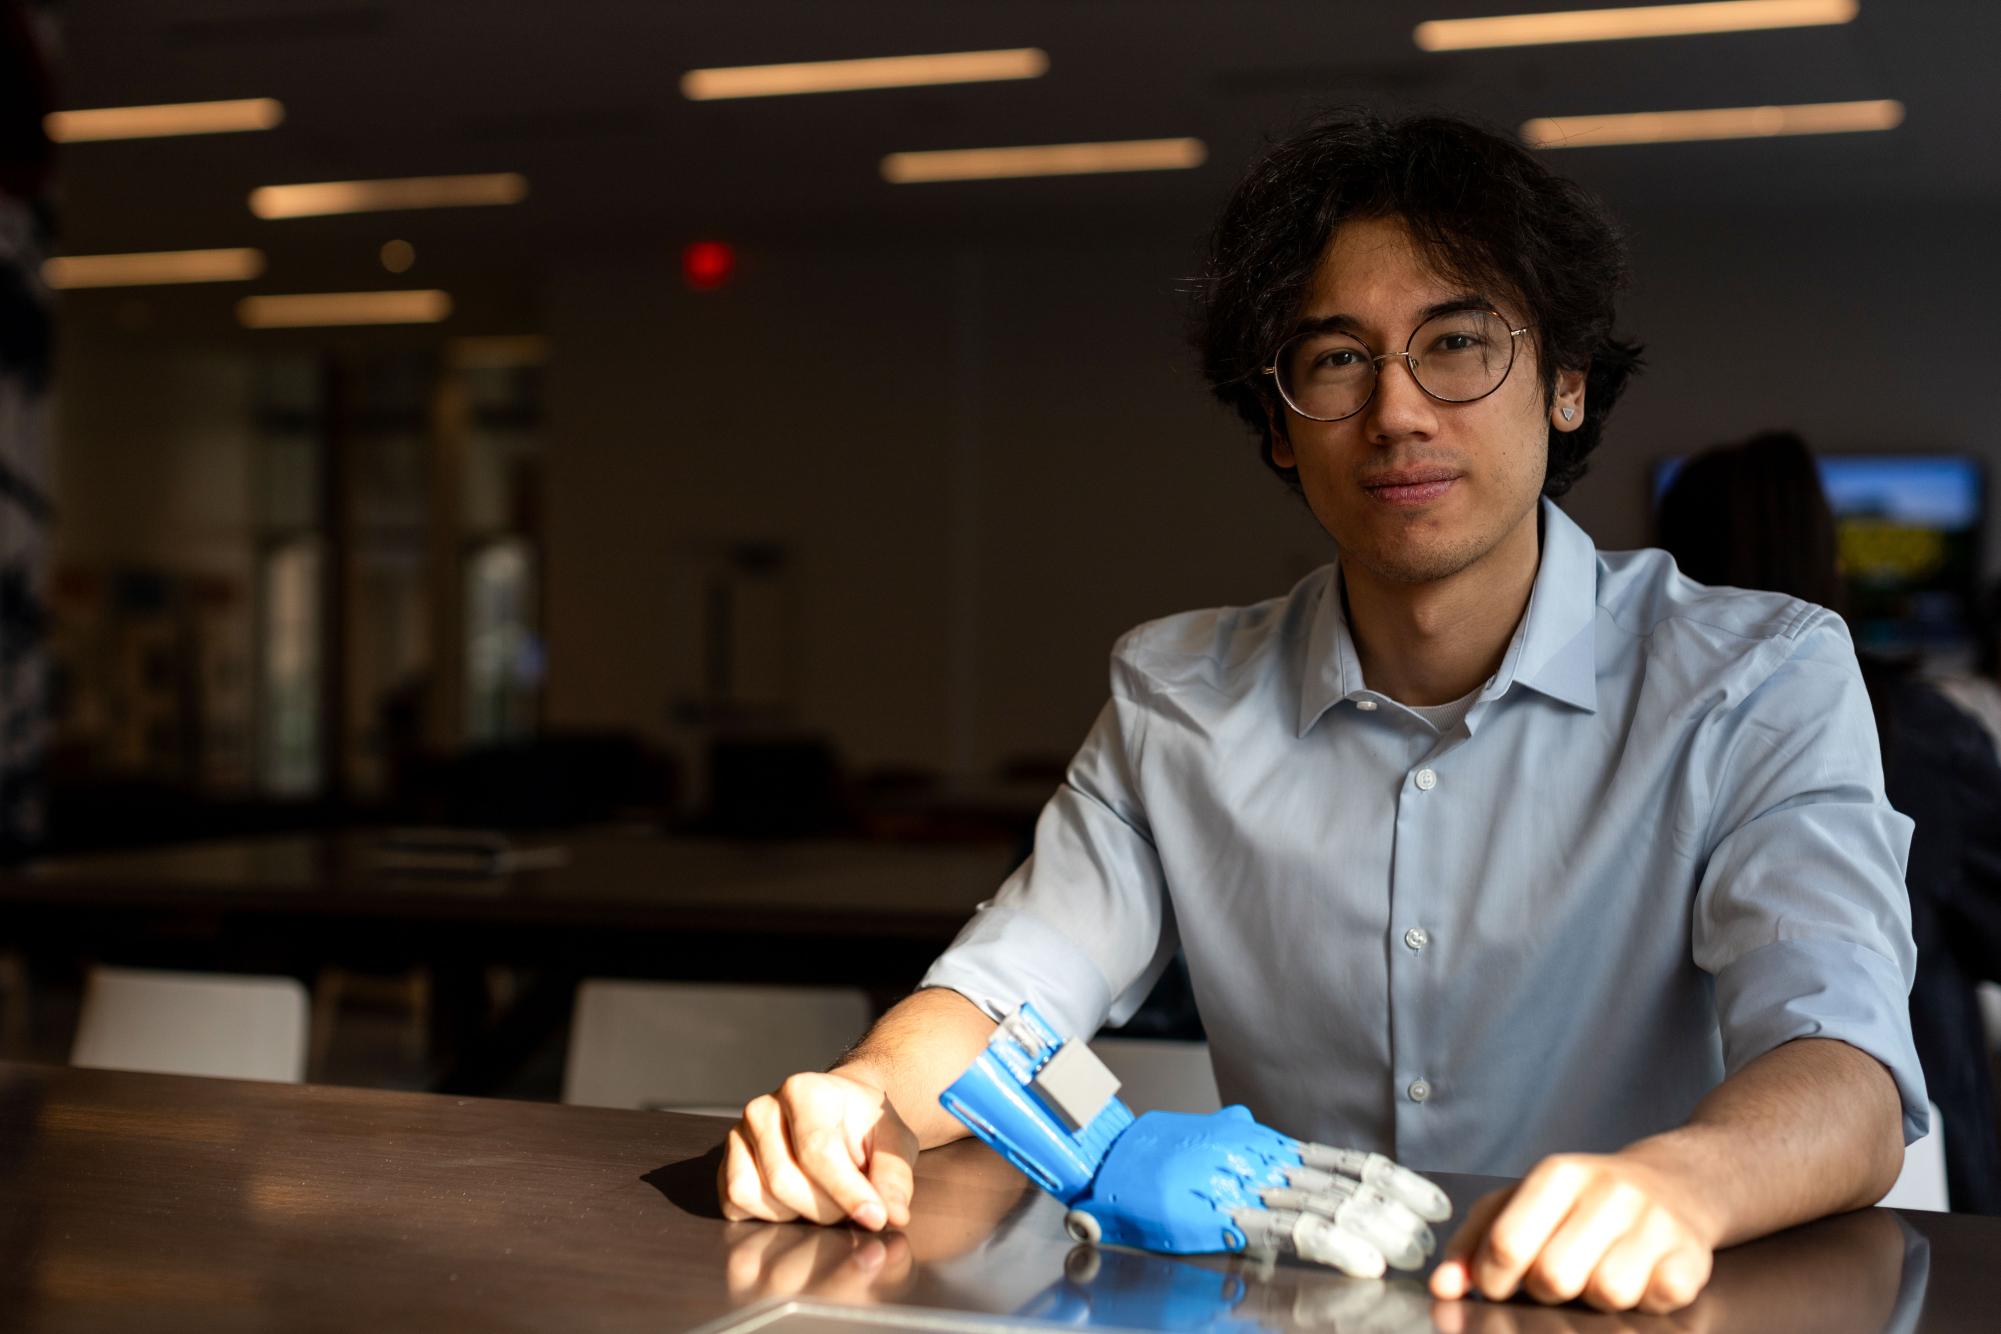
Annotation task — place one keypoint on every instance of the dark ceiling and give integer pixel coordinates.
(582, 96)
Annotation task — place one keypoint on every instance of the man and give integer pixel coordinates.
(1487, 850)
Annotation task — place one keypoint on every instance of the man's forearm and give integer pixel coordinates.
(924, 1043)
(1810, 1128)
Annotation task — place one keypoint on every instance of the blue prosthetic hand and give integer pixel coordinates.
(1170, 1182)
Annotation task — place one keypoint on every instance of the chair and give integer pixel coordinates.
(1161, 1075)
(1921, 1185)
(701, 1047)
(214, 1024)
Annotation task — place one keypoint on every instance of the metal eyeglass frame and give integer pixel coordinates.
(1410, 363)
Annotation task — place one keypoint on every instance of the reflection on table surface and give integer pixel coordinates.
(1862, 1272)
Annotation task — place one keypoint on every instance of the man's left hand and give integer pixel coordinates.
(1609, 1228)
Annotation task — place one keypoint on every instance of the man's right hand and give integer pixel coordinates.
(823, 1147)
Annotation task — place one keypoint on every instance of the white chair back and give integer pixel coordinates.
(226, 1026)
(704, 1047)
(1158, 1075)
(1921, 1185)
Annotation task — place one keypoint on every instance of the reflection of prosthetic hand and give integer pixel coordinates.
(1170, 1182)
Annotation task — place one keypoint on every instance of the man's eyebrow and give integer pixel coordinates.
(1345, 323)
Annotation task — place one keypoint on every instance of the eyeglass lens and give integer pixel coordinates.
(1460, 355)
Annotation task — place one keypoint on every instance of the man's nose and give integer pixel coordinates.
(1399, 408)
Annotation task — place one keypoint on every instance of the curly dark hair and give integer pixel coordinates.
(1479, 207)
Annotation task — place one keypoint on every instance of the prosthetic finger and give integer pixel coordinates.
(1425, 1199)
(1384, 1223)
(1332, 1195)
(1310, 1236)
(1326, 1192)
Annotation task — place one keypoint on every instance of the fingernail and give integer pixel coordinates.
(871, 1216)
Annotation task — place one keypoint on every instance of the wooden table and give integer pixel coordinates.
(159, 1203)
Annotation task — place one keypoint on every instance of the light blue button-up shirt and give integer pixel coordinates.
(1655, 847)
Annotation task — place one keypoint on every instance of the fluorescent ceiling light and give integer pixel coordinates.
(153, 267)
(842, 76)
(1606, 25)
(982, 164)
(323, 308)
(1665, 127)
(160, 122)
(497, 351)
(324, 197)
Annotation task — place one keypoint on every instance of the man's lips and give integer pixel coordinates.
(1416, 486)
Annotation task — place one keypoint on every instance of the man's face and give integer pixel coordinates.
(1411, 489)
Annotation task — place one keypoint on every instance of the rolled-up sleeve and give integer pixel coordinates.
(1083, 929)
(1801, 916)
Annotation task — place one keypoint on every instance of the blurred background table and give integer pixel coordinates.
(169, 1203)
(617, 880)
(853, 912)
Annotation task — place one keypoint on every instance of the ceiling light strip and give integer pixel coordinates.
(152, 268)
(981, 164)
(164, 120)
(1663, 127)
(1607, 25)
(314, 309)
(842, 76)
(322, 198)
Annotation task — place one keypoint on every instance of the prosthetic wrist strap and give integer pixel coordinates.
(1043, 1102)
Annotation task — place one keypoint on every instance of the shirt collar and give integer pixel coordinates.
(1552, 652)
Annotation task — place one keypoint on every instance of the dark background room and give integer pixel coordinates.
(531, 570)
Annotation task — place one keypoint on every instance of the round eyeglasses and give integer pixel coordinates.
(1456, 357)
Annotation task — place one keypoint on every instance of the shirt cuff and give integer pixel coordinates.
(1005, 956)
(1823, 989)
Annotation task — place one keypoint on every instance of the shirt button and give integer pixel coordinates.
(1419, 1090)
(1417, 937)
(1426, 780)
(1366, 705)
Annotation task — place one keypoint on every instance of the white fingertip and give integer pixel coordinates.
(1387, 1225)
(1326, 1242)
(1424, 1197)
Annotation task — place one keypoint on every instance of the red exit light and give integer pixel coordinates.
(707, 265)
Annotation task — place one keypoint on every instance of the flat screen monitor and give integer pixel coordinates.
(1910, 528)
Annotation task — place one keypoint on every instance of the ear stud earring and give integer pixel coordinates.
(1568, 413)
